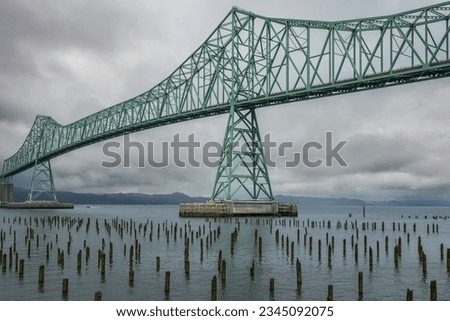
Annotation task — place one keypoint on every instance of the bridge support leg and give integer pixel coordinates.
(6, 191)
(242, 170)
(42, 185)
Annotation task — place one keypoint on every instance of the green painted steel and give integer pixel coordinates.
(42, 184)
(242, 165)
(250, 61)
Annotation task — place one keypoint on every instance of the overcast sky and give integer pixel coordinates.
(69, 59)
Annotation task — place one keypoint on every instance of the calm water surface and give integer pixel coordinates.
(384, 282)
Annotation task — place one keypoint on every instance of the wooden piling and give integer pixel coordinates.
(41, 275)
(329, 255)
(330, 293)
(223, 271)
(111, 252)
(448, 260)
(370, 259)
(158, 263)
(131, 277)
(396, 256)
(272, 286)
(65, 286)
(365, 244)
(260, 247)
(252, 270)
(319, 249)
(98, 296)
(298, 267)
(187, 267)
(409, 295)
(360, 286)
(201, 249)
(424, 264)
(79, 256)
(167, 280)
(214, 289)
(21, 268)
(433, 291)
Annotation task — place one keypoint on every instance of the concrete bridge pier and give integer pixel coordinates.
(6, 193)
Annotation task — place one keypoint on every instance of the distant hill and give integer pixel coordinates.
(20, 195)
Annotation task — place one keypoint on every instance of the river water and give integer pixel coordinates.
(330, 225)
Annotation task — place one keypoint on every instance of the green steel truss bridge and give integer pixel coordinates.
(250, 61)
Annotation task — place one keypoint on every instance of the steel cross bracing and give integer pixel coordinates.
(242, 166)
(252, 61)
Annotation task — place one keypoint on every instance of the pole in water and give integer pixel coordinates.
(223, 270)
(98, 296)
(21, 266)
(299, 274)
(433, 291)
(214, 289)
(409, 295)
(360, 286)
(167, 282)
(272, 286)
(330, 293)
(131, 277)
(65, 286)
(41, 275)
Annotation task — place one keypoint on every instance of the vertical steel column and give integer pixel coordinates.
(242, 168)
(42, 185)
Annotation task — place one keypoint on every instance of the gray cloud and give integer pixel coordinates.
(69, 59)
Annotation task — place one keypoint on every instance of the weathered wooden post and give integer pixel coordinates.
(330, 293)
(41, 275)
(79, 256)
(111, 252)
(158, 263)
(131, 277)
(424, 264)
(448, 260)
(252, 270)
(223, 270)
(409, 295)
(214, 289)
(260, 247)
(319, 249)
(65, 286)
(21, 268)
(329, 255)
(298, 267)
(433, 291)
(360, 286)
(98, 296)
(272, 286)
(167, 280)
(396, 256)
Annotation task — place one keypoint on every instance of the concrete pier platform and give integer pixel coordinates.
(237, 208)
(39, 205)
